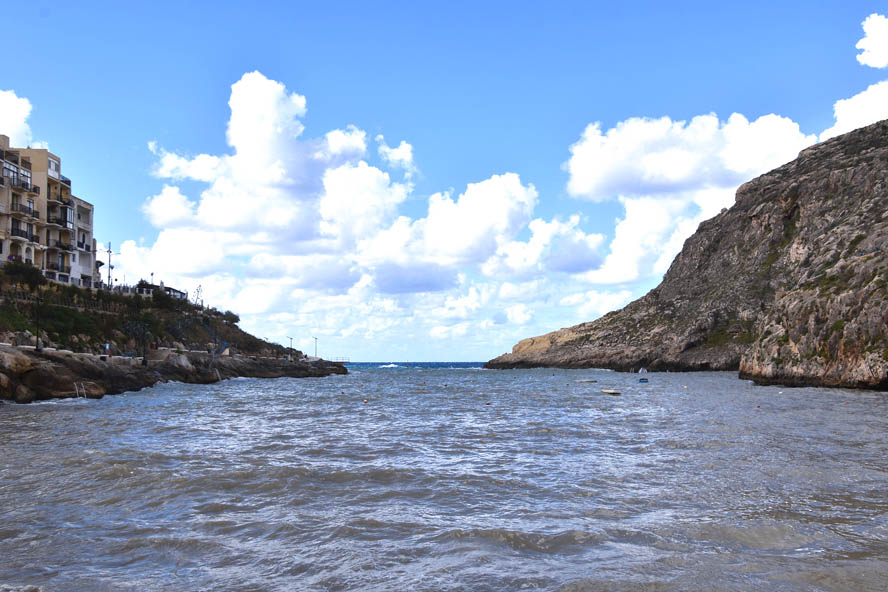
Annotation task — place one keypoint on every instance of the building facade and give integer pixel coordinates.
(42, 222)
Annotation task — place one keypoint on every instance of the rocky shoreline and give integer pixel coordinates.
(27, 375)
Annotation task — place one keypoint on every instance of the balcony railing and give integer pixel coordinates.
(58, 221)
(58, 268)
(22, 233)
(61, 199)
(65, 180)
(57, 244)
(26, 210)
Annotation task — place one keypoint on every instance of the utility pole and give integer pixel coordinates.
(110, 267)
(290, 352)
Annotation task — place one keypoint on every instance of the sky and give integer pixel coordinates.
(425, 181)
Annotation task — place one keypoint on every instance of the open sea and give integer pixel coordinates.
(448, 477)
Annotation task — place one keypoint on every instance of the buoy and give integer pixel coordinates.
(487, 403)
(365, 401)
(758, 406)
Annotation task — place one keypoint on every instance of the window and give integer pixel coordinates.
(73, 258)
(54, 168)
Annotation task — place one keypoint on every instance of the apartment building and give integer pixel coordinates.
(41, 221)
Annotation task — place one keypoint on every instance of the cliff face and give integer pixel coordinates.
(789, 285)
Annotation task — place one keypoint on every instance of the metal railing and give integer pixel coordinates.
(26, 210)
(58, 268)
(58, 221)
(21, 232)
(57, 244)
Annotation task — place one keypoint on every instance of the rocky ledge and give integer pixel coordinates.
(789, 286)
(27, 375)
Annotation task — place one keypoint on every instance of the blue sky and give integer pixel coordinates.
(503, 215)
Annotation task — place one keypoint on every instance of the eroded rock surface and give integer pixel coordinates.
(26, 375)
(789, 285)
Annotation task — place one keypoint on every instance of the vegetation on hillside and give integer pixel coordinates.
(85, 320)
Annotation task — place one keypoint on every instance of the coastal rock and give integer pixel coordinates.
(790, 285)
(29, 376)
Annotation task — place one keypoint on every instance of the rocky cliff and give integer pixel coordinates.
(789, 285)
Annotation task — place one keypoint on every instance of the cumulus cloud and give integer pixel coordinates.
(357, 200)
(462, 231)
(168, 208)
(874, 45)
(400, 157)
(14, 112)
(519, 314)
(650, 157)
(864, 108)
(593, 303)
(553, 246)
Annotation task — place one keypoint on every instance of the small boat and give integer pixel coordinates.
(587, 380)
(642, 380)
(610, 391)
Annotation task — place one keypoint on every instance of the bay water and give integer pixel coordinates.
(448, 477)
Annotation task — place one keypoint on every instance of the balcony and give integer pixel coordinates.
(57, 197)
(26, 210)
(58, 221)
(57, 244)
(22, 233)
(65, 180)
(59, 268)
(85, 247)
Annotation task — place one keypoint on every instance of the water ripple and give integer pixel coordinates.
(397, 478)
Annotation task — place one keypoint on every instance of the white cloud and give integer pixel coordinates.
(553, 246)
(484, 217)
(874, 45)
(172, 166)
(350, 141)
(464, 231)
(862, 109)
(400, 157)
(358, 200)
(593, 304)
(451, 331)
(518, 314)
(520, 291)
(14, 112)
(648, 157)
(168, 208)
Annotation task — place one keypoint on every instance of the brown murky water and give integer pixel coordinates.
(300, 485)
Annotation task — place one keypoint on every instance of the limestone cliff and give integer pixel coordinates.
(789, 285)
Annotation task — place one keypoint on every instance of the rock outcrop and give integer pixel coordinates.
(790, 285)
(27, 375)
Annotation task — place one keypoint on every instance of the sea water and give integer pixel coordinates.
(448, 477)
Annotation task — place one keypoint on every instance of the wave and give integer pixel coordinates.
(389, 366)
